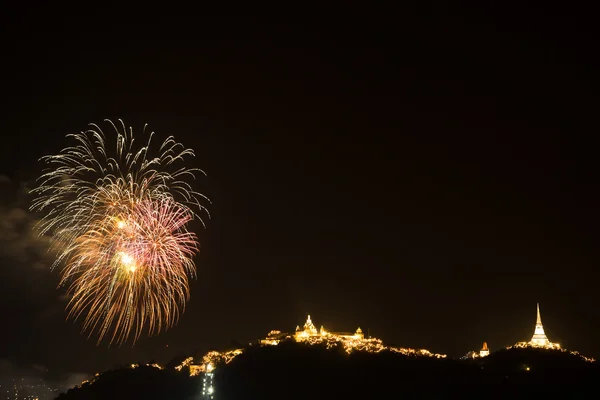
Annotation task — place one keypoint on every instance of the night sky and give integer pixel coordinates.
(429, 179)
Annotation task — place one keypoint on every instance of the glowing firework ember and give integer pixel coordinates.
(118, 218)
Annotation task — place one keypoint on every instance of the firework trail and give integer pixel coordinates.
(118, 218)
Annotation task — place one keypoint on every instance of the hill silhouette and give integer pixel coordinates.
(297, 371)
(286, 369)
(143, 382)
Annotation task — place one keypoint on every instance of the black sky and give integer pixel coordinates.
(429, 179)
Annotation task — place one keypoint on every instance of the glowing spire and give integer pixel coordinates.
(309, 327)
(484, 352)
(539, 336)
(322, 331)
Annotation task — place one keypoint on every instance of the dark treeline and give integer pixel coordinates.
(288, 370)
(137, 383)
(295, 371)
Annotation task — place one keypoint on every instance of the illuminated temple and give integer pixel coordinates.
(484, 352)
(348, 341)
(539, 338)
(310, 333)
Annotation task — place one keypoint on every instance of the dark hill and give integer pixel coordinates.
(293, 371)
(138, 383)
(296, 371)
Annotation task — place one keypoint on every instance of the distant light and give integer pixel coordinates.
(527, 368)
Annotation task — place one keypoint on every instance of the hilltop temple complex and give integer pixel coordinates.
(539, 340)
(348, 341)
(310, 332)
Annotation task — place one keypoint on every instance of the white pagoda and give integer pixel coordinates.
(539, 338)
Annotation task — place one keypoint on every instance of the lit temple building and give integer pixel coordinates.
(539, 338)
(349, 341)
(484, 350)
(311, 331)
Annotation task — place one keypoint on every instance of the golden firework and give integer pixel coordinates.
(118, 218)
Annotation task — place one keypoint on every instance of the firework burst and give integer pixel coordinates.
(118, 218)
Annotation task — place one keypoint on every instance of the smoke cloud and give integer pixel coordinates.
(28, 296)
(19, 242)
(34, 380)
